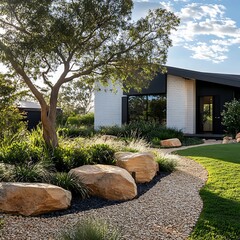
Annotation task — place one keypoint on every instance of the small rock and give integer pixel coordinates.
(172, 142)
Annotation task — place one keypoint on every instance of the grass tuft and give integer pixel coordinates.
(167, 163)
(91, 229)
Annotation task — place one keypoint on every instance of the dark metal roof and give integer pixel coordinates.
(224, 79)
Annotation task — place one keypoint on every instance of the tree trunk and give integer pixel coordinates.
(49, 129)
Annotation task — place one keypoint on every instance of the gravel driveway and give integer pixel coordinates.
(167, 208)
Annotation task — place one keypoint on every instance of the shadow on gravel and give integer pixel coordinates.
(95, 202)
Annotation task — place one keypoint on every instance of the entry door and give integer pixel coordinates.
(209, 114)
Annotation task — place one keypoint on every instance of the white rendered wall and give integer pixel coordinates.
(181, 104)
(108, 106)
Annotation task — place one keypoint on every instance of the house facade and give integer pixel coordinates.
(183, 99)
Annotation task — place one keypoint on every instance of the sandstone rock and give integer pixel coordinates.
(141, 164)
(106, 181)
(238, 140)
(32, 198)
(172, 142)
(237, 135)
(228, 139)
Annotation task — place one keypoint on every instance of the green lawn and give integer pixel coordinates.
(220, 218)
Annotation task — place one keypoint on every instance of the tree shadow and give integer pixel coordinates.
(220, 218)
(79, 205)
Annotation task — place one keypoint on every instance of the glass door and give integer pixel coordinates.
(206, 114)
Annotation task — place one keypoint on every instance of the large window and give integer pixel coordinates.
(147, 108)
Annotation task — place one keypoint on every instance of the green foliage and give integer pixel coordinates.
(71, 183)
(150, 131)
(90, 229)
(231, 116)
(10, 118)
(17, 153)
(78, 120)
(166, 164)
(187, 141)
(67, 157)
(76, 97)
(220, 218)
(28, 172)
(101, 154)
(74, 131)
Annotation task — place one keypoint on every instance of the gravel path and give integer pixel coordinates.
(167, 208)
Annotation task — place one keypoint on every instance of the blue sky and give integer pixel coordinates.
(208, 38)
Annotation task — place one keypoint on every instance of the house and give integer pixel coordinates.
(32, 111)
(188, 100)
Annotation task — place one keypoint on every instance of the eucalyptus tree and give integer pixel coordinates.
(57, 41)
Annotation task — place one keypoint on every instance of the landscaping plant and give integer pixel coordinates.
(231, 117)
(71, 183)
(166, 163)
(91, 229)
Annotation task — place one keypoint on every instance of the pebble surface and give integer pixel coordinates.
(166, 208)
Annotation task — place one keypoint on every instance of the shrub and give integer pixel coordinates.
(166, 164)
(74, 131)
(35, 138)
(68, 157)
(142, 129)
(101, 154)
(192, 141)
(113, 130)
(71, 183)
(20, 153)
(78, 120)
(231, 116)
(31, 172)
(91, 230)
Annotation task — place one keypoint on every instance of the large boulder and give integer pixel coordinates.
(172, 142)
(141, 165)
(107, 181)
(32, 198)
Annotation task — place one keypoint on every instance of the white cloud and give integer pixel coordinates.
(167, 5)
(181, 0)
(198, 11)
(204, 51)
(207, 25)
(227, 42)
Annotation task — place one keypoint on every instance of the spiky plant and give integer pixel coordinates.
(91, 229)
(71, 182)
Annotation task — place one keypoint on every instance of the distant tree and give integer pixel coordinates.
(57, 41)
(76, 98)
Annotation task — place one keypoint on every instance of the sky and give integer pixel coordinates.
(208, 37)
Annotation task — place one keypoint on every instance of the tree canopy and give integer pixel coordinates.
(57, 41)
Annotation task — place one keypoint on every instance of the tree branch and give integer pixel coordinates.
(21, 72)
(14, 26)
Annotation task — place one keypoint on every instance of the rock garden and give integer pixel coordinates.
(83, 174)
